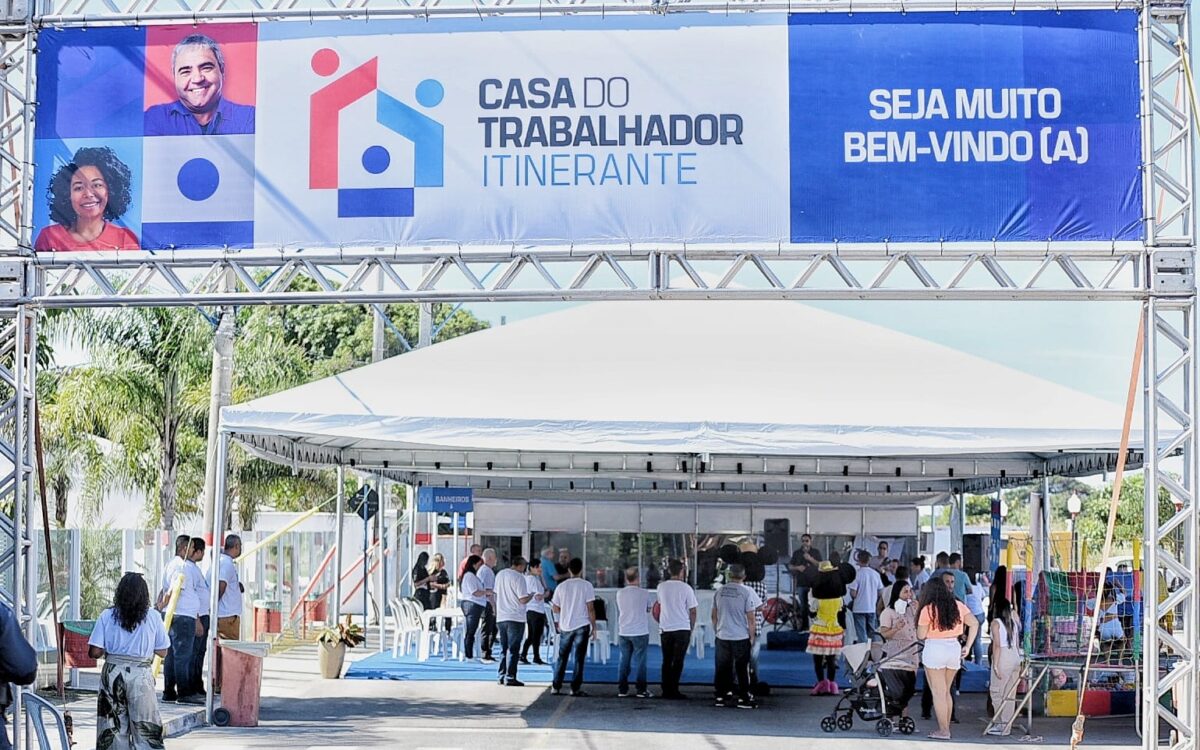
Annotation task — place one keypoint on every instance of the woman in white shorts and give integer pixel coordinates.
(940, 623)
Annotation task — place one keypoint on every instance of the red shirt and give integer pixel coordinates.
(112, 237)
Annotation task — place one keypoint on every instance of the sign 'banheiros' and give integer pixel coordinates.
(810, 128)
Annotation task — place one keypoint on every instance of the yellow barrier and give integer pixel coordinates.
(299, 520)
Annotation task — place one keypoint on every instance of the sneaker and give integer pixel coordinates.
(719, 702)
(523, 660)
(538, 662)
(998, 732)
(555, 691)
(515, 683)
(579, 694)
(623, 694)
(747, 703)
(643, 694)
(488, 660)
(195, 699)
(819, 688)
(833, 688)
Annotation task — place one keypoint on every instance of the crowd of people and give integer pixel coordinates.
(922, 617)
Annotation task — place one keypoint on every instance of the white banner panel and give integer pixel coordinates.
(510, 516)
(614, 516)
(835, 521)
(545, 516)
(669, 519)
(727, 519)
(891, 522)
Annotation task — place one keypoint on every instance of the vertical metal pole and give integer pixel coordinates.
(454, 571)
(366, 567)
(214, 568)
(425, 325)
(74, 589)
(1048, 545)
(378, 341)
(339, 518)
(381, 576)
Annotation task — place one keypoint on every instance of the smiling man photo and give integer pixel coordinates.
(198, 69)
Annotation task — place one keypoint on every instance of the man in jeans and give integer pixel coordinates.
(734, 606)
(574, 603)
(676, 618)
(633, 633)
(177, 666)
(865, 590)
(512, 594)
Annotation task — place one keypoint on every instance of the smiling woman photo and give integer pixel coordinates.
(85, 197)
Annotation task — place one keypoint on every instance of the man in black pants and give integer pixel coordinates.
(676, 618)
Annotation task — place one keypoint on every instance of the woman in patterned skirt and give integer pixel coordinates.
(127, 636)
(827, 584)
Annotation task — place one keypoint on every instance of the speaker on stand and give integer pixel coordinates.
(777, 535)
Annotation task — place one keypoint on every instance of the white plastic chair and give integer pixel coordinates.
(600, 647)
(699, 636)
(408, 628)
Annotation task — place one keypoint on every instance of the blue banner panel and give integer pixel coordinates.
(445, 499)
(972, 126)
(769, 129)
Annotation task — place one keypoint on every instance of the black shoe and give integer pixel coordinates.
(578, 694)
(643, 694)
(623, 694)
(747, 703)
(555, 691)
(719, 702)
(539, 662)
(523, 660)
(169, 698)
(488, 660)
(500, 680)
(515, 683)
(925, 717)
(195, 699)
(953, 719)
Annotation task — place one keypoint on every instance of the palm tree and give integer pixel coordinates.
(142, 360)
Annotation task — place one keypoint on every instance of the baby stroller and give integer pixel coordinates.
(869, 695)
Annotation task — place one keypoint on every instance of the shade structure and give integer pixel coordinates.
(701, 399)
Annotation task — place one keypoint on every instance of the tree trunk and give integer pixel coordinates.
(169, 467)
(60, 490)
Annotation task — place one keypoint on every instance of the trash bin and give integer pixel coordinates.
(266, 618)
(241, 683)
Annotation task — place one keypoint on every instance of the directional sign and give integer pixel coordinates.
(445, 499)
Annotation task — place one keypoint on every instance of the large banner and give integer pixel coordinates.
(689, 128)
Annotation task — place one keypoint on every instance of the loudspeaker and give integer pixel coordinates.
(776, 535)
(975, 553)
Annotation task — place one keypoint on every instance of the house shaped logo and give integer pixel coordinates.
(425, 133)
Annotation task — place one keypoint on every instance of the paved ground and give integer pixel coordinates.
(302, 711)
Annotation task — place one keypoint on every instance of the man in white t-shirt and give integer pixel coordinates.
(574, 603)
(230, 590)
(633, 633)
(865, 596)
(200, 648)
(734, 605)
(512, 594)
(676, 618)
(184, 626)
(487, 576)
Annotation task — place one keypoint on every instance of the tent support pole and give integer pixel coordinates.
(381, 535)
(1047, 542)
(338, 542)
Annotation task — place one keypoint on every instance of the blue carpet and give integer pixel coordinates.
(777, 668)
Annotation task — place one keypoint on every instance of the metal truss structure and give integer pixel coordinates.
(1158, 272)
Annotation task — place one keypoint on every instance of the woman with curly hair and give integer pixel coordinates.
(941, 622)
(86, 196)
(127, 636)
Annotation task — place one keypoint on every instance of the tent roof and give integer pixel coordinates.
(697, 397)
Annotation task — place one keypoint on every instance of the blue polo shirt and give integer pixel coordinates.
(175, 119)
(548, 573)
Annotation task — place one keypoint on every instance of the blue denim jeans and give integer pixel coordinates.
(474, 613)
(633, 656)
(571, 642)
(177, 667)
(865, 626)
(510, 648)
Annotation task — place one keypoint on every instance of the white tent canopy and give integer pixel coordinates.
(674, 399)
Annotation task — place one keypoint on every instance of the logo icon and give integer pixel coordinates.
(425, 133)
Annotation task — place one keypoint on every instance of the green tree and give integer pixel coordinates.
(1130, 523)
(130, 394)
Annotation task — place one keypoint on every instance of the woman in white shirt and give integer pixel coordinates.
(1005, 656)
(128, 637)
(474, 602)
(535, 613)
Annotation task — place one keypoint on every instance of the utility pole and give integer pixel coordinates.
(220, 394)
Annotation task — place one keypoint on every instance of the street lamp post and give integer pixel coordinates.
(1074, 505)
